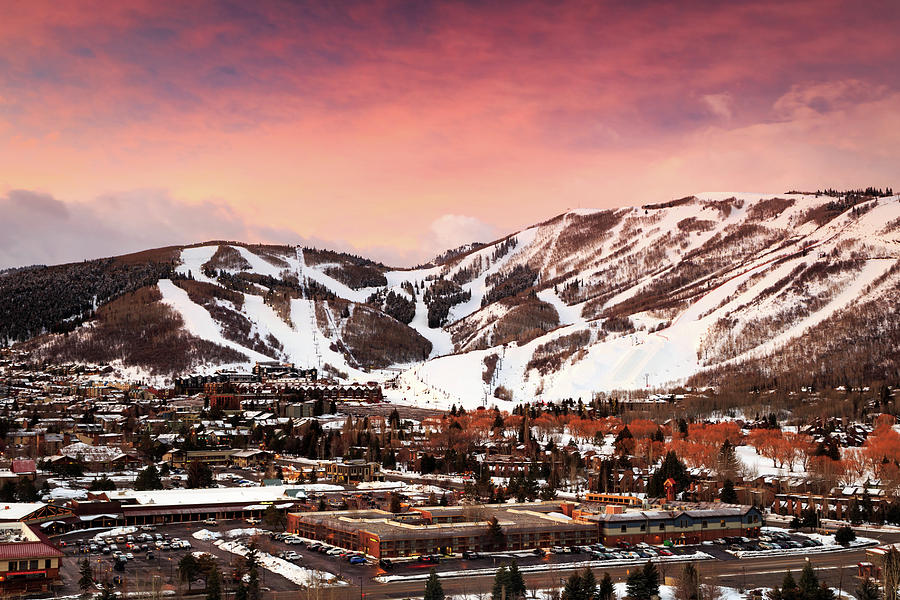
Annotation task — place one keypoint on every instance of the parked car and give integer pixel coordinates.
(386, 564)
(357, 560)
(470, 555)
(291, 555)
(150, 555)
(557, 550)
(210, 522)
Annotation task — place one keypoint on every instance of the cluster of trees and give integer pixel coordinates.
(357, 276)
(583, 586)
(22, 491)
(234, 325)
(440, 297)
(808, 588)
(508, 283)
(374, 340)
(394, 305)
(148, 479)
(140, 330)
(643, 584)
(549, 356)
(36, 300)
(225, 257)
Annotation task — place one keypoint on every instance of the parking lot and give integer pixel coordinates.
(155, 554)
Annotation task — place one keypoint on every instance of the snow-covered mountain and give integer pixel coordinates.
(590, 300)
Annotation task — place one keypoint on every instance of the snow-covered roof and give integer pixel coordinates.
(15, 511)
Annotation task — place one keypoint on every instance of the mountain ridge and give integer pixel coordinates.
(589, 300)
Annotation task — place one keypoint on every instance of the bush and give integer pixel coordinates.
(844, 535)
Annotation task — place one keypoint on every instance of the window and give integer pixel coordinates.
(643, 527)
(662, 526)
(624, 528)
(704, 525)
(13, 565)
(33, 565)
(47, 564)
(722, 523)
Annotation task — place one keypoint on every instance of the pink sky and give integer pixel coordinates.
(396, 129)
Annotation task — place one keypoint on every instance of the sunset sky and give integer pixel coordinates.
(397, 129)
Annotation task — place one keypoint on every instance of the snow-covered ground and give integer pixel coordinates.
(541, 567)
(294, 573)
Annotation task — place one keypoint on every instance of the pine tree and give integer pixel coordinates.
(635, 586)
(573, 589)
(728, 495)
(606, 589)
(433, 588)
(789, 589)
(252, 558)
(867, 590)
(214, 585)
(188, 569)
(809, 582)
(500, 589)
(727, 460)
(517, 587)
(588, 585)
(496, 537)
(651, 579)
(86, 581)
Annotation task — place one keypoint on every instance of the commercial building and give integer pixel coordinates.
(29, 562)
(440, 529)
(353, 471)
(680, 527)
(437, 529)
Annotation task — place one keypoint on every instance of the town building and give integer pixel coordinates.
(440, 529)
(353, 471)
(29, 561)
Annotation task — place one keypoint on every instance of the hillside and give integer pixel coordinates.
(709, 287)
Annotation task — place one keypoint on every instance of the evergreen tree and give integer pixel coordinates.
(86, 581)
(606, 590)
(789, 589)
(516, 587)
(500, 589)
(727, 460)
(844, 535)
(651, 579)
(727, 494)
(573, 589)
(199, 475)
(433, 588)
(635, 586)
(809, 582)
(588, 585)
(496, 537)
(214, 585)
(252, 559)
(867, 590)
(25, 490)
(106, 592)
(188, 569)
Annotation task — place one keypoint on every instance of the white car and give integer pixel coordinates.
(291, 555)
